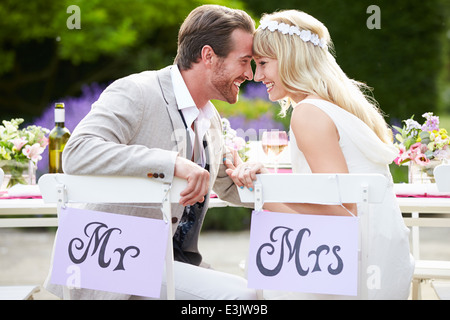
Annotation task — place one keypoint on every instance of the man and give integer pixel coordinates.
(161, 124)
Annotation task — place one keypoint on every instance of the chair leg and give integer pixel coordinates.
(416, 289)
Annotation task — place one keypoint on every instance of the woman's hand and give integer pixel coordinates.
(231, 158)
(244, 174)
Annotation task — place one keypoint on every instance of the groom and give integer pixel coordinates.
(161, 125)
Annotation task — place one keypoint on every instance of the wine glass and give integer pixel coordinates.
(273, 143)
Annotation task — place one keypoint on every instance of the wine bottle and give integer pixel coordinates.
(57, 140)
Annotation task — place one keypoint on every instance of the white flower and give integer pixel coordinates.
(283, 28)
(305, 35)
(272, 25)
(18, 143)
(225, 123)
(315, 39)
(4, 154)
(239, 143)
(441, 154)
(322, 43)
(412, 124)
(33, 152)
(294, 30)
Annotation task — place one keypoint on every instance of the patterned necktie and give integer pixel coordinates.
(189, 216)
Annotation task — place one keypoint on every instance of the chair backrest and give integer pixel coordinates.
(363, 189)
(62, 189)
(108, 189)
(317, 188)
(442, 177)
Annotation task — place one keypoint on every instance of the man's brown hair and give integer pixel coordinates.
(209, 25)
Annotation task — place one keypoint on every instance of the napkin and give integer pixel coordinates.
(419, 190)
(22, 190)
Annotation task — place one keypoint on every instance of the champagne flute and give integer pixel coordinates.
(273, 143)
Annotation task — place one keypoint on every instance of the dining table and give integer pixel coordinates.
(422, 206)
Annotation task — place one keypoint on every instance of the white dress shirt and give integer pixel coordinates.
(201, 117)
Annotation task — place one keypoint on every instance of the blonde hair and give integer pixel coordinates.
(313, 70)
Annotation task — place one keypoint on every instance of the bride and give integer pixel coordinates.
(335, 128)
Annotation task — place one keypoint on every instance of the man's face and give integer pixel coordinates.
(230, 72)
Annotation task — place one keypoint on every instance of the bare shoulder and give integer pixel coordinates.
(318, 139)
(307, 117)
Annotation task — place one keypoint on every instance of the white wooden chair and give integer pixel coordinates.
(62, 189)
(442, 176)
(16, 292)
(426, 269)
(324, 188)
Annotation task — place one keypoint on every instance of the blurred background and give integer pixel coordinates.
(46, 57)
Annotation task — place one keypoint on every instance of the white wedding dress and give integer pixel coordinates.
(388, 235)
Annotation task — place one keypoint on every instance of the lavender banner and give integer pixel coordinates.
(110, 252)
(303, 253)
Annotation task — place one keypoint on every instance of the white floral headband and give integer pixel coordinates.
(284, 28)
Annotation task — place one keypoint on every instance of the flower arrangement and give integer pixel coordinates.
(233, 141)
(19, 147)
(422, 143)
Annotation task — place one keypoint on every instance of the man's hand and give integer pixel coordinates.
(197, 178)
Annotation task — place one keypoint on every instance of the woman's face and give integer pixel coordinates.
(267, 73)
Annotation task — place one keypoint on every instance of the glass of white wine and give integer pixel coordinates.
(273, 143)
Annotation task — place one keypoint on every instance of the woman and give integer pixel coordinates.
(335, 128)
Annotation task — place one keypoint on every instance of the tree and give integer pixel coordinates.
(44, 56)
(402, 60)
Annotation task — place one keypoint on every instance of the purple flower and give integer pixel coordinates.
(255, 90)
(251, 129)
(431, 123)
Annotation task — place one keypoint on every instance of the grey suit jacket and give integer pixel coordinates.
(135, 129)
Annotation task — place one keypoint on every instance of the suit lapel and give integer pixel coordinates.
(179, 131)
(165, 82)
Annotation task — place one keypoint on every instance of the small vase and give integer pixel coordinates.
(17, 172)
(422, 174)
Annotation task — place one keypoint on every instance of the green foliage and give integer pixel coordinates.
(402, 61)
(251, 109)
(444, 122)
(227, 219)
(43, 60)
(406, 61)
(107, 27)
(399, 173)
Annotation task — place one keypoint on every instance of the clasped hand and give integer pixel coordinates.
(243, 173)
